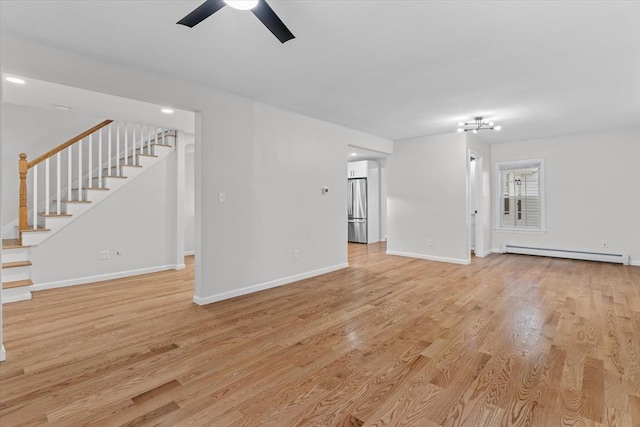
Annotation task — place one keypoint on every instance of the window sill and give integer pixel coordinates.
(520, 230)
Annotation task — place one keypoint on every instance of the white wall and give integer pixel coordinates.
(2, 349)
(33, 131)
(373, 201)
(592, 191)
(427, 198)
(484, 217)
(190, 204)
(270, 162)
(138, 220)
(383, 199)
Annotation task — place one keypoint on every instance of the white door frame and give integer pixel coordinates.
(480, 195)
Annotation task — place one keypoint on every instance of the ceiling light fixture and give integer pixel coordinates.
(477, 125)
(15, 80)
(354, 154)
(167, 110)
(242, 4)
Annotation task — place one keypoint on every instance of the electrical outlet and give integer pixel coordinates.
(605, 244)
(103, 255)
(296, 254)
(429, 242)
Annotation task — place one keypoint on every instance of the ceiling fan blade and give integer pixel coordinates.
(202, 12)
(268, 17)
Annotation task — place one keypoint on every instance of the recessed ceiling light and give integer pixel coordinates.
(354, 154)
(167, 110)
(15, 80)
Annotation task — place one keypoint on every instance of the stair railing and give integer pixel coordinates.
(74, 167)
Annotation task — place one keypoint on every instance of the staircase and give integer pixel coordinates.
(61, 185)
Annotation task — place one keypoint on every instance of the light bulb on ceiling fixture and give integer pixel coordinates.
(461, 124)
(167, 110)
(497, 127)
(242, 4)
(475, 131)
(460, 130)
(354, 154)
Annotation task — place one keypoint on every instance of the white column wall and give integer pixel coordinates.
(427, 198)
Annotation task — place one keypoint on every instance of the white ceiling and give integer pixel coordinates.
(391, 68)
(45, 95)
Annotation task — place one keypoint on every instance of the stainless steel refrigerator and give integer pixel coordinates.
(357, 210)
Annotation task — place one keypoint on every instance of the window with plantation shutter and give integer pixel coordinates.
(521, 203)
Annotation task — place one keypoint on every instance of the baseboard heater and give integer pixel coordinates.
(560, 253)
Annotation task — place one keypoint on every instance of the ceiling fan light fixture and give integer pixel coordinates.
(242, 4)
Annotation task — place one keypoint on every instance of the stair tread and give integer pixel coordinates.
(53, 215)
(34, 230)
(12, 244)
(161, 145)
(147, 155)
(92, 188)
(16, 264)
(113, 176)
(76, 201)
(17, 284)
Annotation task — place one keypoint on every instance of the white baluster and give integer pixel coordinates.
(109, 152)
(58, 183)
(90, 183)
(80, 170)
(133, 143)
(100, 158)
(118, 149)
(163, 133)
(126, 143)
(35, 197)
(142, 137)
(46, 187)
(155, 131)
(69, 174)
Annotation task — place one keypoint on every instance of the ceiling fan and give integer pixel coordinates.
(260, 9)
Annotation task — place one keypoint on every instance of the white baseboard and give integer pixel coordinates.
(3, 354)
(635, 263)
(101, 277)
(431, 257)
(483, 254)
(180, 266)
(497, 251)
(266, 285)
(189, 253)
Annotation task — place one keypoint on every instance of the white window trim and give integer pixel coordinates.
(498, 193)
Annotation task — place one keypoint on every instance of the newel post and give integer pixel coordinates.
(23, 168)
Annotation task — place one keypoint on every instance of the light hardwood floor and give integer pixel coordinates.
(508, 340)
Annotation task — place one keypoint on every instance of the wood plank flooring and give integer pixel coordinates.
(389, 341)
